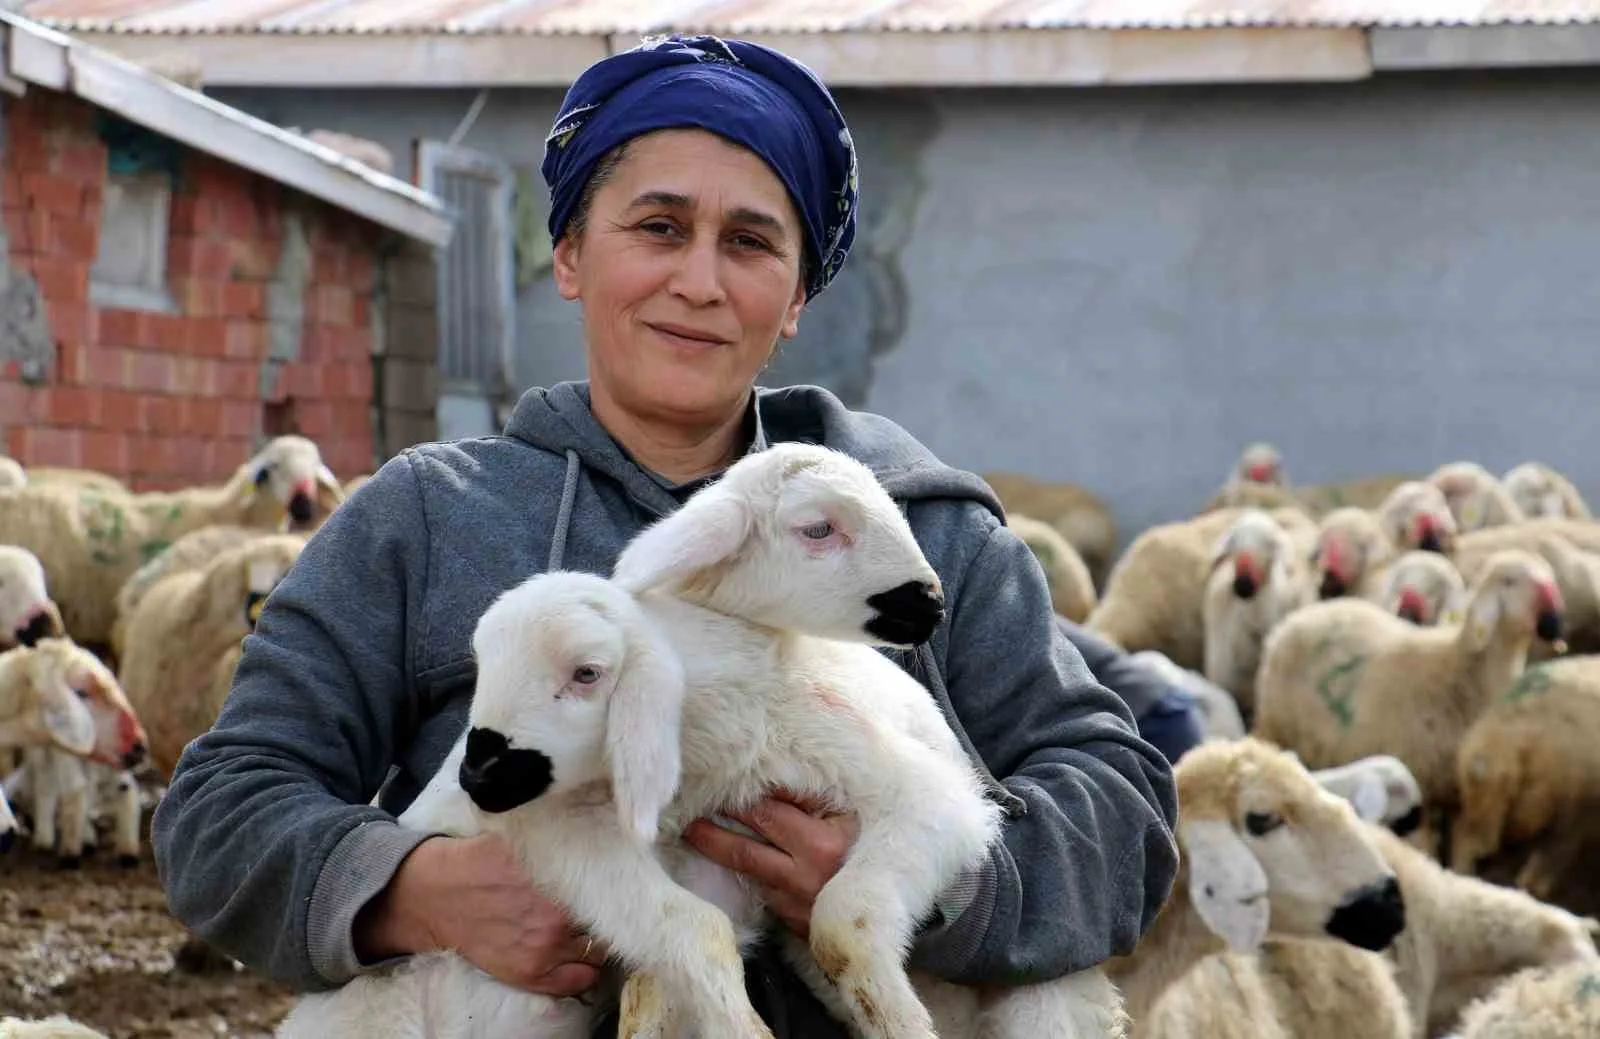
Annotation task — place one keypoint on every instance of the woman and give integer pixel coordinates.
(702, 192)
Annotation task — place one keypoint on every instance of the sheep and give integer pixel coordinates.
(41, 475)
(1380, 788)
(1477, 499)
(1540, 491)
(1573, 555)
(31, 677)
(1152, 598)
(1367, 492)
(62, 787)
(1219, 712)
(698, 633)
(57, 1026)
(188, 552)
(1343, 678)
(27, 614)
(1267, 581)
(1463, 934)
(183, 625)
(1265, 854)
(1072, 590)
(1528, 776)
(90, 543)
(1354, 545)
(1256, 480)
(1082, 517)
(1424, 588)
(12, 474)
(1540, 1003)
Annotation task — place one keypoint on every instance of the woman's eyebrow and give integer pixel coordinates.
(742, 215)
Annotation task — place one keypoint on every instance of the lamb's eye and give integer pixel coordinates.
(1261, 823)
(588, 674)
(817, 531)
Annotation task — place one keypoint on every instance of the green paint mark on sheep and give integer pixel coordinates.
(1531, 682)
(104, 524)
(150, 549)
(1337, 687)
(1588, 988)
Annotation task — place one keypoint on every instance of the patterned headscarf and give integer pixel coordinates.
(750, 94)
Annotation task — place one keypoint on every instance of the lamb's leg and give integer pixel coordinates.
(74, 813)
(1084, 1005)
(8, 825)
(623, 895)
(927, 821)
(46, 797)
(127, 811)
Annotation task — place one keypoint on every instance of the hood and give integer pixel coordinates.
(558, 419)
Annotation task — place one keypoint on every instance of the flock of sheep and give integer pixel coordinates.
(1381, 835)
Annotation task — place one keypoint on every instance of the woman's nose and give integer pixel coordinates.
(698, 278)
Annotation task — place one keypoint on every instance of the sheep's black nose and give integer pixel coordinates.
(1548, 626)
(135, 756)
(301, 507)
(1410, 611)
(1244, 586)
(906, 614)
(1370, 918)
(1430, 542)
(499, 777)
(1333, 586)
(39, 626)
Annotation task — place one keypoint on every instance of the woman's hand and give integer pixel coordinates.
(809, 844)
(468, 894)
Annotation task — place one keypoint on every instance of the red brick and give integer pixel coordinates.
(244, 299)
(245, 340)
(74, 238)
(43, 445)
(238, 379)
(94, 198)
(203, 415)
(105, 451)
(240, 418)
(302, 380)
(47, 193)
(205, 337)
(72, 361)
(121, 410)
(333, 305)
(21, 403)
(83, 160)
(159, 413)
(168, 333)
(69, 322)
(108, 366)
(181, 215)
(126, 328)
(61, 281)
(196, 376)
(359, 276)
(73, 406)
(351, 419)
(316, 418)
(349, 380)
(252, 259)
(28, 232)
(152, 372)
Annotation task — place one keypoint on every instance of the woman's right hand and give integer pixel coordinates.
(468, 894)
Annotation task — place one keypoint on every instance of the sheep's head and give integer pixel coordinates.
(1417, 514)
(575, 687)
(1269, 851)
(1259, 550)
(26, 612)
(1515, 593)
(1260, 463)
(797, 537)
(1421, 587)
(234, 585)
(289, 469)
(1475, 496)
(12, 475)
(1538, 490)
(1350, 540)
(116, 737)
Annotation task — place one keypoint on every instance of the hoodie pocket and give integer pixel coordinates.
(440, 684)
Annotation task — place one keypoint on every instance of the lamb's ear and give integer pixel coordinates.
(67, 721)
(709, 529)
(644, 723)
(1483, 614)
(1369, 797)
(1221, 548)
(332, 491)
(1227, 885)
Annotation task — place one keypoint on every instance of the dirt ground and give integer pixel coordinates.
(97, 944)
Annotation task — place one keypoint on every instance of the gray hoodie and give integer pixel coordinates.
(357, 678)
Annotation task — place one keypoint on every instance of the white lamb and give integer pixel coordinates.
(27, 613)
(1267, 581)
(796, 538)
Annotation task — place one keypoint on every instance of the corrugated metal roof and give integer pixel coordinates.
(547, 17)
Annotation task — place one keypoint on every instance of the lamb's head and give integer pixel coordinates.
(234, 585)
(1539, 491)
(797, 537)
(12, 475)
(1268, 851)
(1422, 587)
(576, 687)
(1416, 514)
(115, 736)
(1350, 542)
(1259, 463)
(1476, 497)
(26, 612)
(290, 470)
(1260, 552)
(1515, 594)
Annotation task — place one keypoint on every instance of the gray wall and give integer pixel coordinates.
(1121, 287)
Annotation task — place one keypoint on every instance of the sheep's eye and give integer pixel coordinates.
(83, 694)
(1259, 824)
(588, 674)
(817, 531)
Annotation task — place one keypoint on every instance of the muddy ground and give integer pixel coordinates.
(97, 944)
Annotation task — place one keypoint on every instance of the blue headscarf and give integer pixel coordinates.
(742, 91)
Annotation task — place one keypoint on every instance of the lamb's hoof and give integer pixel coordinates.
(69, 862)
(7, 839)
(196, 957)
(128, 861)
(89, 850)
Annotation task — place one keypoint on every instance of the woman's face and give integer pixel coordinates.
(688, 270)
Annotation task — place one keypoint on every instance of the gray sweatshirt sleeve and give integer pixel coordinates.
(1080, 877)
(265, 841)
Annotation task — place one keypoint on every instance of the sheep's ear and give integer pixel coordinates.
(644, 721)
(709, 529)
(1369, 797)
(1482, 616)
(1227, 886)
(332, 491)
(1221, 548)
(68, 722)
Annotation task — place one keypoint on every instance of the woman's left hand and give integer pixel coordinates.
(809, 844)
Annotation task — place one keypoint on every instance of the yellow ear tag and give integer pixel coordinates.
(1472, 514)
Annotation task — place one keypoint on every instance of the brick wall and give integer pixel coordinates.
(275, 329)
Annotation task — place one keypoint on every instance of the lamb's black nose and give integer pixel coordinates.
(1371, 917)
(1333, 586)
(907, 614)
(499, 777)
(301, 507)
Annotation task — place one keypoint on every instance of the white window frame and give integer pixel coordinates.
(432, 159)
(152, 292)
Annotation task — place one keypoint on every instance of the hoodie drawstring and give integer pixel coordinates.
(569, 494)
